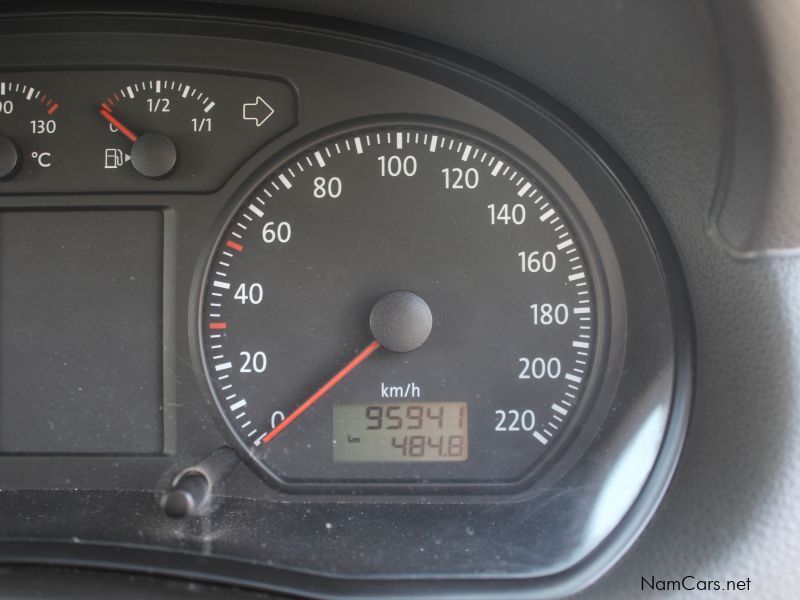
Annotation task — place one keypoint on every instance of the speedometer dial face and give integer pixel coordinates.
(400, 305)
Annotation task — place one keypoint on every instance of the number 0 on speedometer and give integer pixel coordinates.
(400, 305)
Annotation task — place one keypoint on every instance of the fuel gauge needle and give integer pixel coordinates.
(360, 357)
(116, 123)
(153, 155)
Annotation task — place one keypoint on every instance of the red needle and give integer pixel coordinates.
(362, 356)
(115, 122)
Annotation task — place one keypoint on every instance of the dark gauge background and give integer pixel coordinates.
(387, 233)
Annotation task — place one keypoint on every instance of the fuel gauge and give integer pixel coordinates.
(151, 115)
(185, 130)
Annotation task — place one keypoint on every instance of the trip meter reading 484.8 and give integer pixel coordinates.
(400, 304)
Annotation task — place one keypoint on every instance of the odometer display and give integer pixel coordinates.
(409, 431)
(391, 270)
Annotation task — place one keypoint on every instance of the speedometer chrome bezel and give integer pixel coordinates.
(598, 392)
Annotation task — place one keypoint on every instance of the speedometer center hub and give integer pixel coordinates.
(401, 321)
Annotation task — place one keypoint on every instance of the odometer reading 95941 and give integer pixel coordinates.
(433, 431)
(375, 277)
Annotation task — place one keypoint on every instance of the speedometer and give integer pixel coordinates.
(402, 304)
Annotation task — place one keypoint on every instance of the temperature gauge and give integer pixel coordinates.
(28, 128)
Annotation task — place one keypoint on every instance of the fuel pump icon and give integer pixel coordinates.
(115, 158)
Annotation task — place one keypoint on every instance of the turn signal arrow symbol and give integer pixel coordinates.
(258, 111)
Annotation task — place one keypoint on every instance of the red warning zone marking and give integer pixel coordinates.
(217, 325)
(234, 245)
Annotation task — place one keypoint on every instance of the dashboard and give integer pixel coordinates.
(315, 308)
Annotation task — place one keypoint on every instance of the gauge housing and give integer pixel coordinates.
(550, 538)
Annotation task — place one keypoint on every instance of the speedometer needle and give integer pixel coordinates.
(361, 357)
(116, 123)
